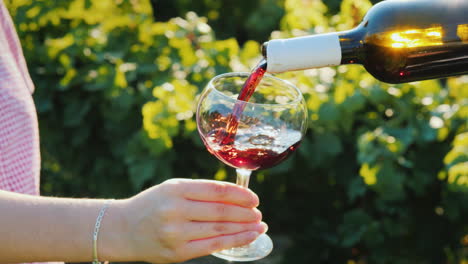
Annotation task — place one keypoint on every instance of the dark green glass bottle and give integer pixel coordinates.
(398, 41)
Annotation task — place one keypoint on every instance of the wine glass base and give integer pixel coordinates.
(258, 249)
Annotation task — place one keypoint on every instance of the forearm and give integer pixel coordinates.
(58, 229)
(175, 221)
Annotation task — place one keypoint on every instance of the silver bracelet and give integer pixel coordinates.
(96, 230)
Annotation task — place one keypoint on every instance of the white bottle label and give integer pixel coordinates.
(303, 53)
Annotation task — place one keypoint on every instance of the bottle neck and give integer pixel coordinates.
(351, 43)
(314, 51)
(302, 52)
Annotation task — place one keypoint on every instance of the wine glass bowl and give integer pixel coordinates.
(252, 135)
(270, 126)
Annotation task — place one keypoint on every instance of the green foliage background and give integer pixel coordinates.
(381, 177)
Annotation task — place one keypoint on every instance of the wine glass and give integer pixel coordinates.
(252, 135)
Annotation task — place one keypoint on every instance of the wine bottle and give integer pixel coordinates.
(397, 41)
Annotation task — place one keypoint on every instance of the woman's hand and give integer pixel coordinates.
(171, 222)
(182, 219)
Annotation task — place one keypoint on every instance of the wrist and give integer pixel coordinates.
(114, 235)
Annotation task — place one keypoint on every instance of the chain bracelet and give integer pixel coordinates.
(96, 230)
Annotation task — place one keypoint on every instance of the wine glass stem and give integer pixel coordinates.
(243, 177)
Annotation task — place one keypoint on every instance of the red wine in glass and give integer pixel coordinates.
(255, 148)
(246, 92)
(261, 148)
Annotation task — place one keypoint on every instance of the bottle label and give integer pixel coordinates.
(303, 53)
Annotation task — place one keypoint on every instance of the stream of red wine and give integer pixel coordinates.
(246, 92)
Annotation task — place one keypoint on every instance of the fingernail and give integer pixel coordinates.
(259, 214)
(264, 227)
(256, 201)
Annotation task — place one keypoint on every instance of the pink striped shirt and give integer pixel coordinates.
(19, 134)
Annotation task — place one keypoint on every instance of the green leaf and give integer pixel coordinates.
(458, 177)
(75, 112)
(328, 113)
(390, 182)
(354, 226)
(328, 143)
(142, 171)
(356, 188)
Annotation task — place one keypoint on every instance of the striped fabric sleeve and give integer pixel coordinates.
(19, 136)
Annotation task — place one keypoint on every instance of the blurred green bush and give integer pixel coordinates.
(382, 176)
(242, 19)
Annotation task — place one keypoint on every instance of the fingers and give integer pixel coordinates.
(220, 212)
(203, 247)
(202, 230)
(217, 191)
